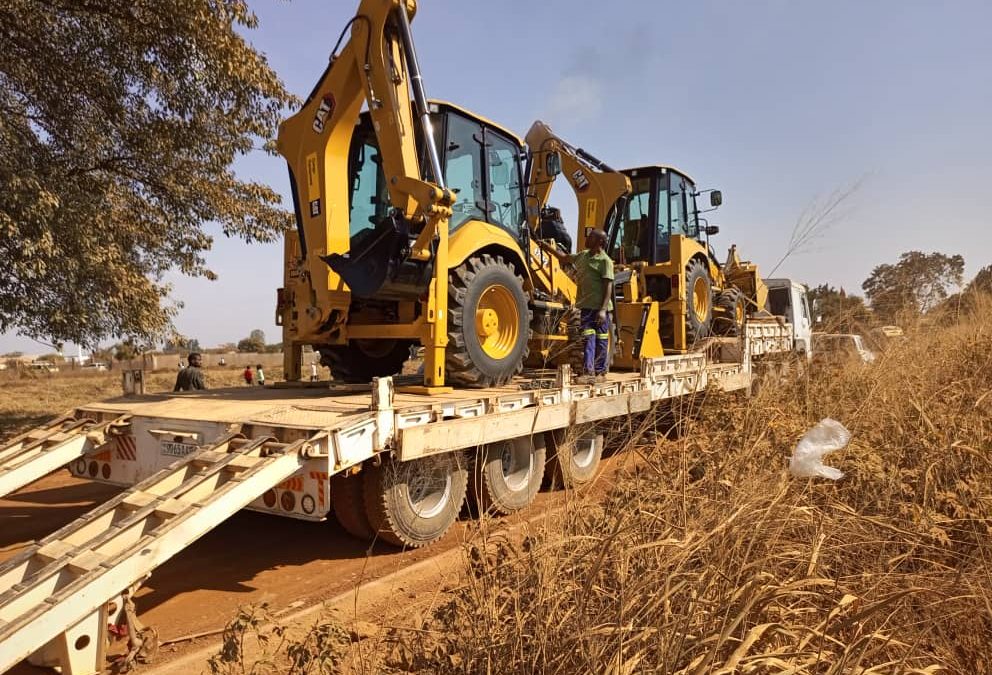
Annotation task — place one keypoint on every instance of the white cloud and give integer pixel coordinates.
(574, 99)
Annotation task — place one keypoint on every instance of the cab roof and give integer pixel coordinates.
(485, 120)
(652, 168)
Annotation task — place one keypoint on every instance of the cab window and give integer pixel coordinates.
(369, 201)
(676, 205)
(633, 240)
(506, 206)
(463, 169)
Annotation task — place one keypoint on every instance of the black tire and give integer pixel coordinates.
(466, 361)
(574, 456)
(731, 304)
(361, 360)
(412, 504)
(347, 498)
(697, 326)
(507, 475)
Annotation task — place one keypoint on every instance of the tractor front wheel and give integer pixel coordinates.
(699, 305)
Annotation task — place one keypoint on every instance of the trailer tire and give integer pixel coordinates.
(699, 301)
(574, 456)
(507, 475)
(488, 322)
(348, 501)
(361, 360)
(414, 503)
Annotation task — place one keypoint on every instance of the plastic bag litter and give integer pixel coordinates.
(807, 459)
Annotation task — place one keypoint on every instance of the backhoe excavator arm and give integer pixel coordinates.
(378, 67)
(600, 191)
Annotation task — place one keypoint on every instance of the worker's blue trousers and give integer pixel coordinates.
(596, 334)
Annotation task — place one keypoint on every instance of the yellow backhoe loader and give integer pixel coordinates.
(665, 244)
(411, 224)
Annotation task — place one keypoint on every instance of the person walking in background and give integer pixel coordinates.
(313, 371)
(260, 375)
(594, 277)
(190, 378)
(248, 375)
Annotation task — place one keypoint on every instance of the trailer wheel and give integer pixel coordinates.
(731, 321)
(349, 506)
(699, 305)
(488, 322)
(412, 504)
(361, 360)
(507, 475)
(574, 456)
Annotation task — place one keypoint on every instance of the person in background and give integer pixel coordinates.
(313, 371)
(191, 377)
(594, 277)
(248, 375)
(260, 375)
(222, 362)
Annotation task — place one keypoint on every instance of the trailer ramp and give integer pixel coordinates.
(54, 596)
(28, 457)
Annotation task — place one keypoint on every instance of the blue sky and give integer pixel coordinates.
(777, 103)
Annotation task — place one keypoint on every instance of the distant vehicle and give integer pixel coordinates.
(45, 366)
(883, 337)
(787, 299)
(840, 347)
(99, 367)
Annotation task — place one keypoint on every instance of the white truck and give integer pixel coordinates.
(787, 299)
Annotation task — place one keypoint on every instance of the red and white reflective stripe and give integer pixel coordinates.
(293, 484)
(321, 478)
(126, 448)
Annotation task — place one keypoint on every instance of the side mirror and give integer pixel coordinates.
(716, 198)
(552, 164)
(711, 230)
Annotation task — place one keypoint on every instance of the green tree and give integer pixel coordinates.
(125, 351)
(915, 284)
(255, 342)
(119, 124)
(838, 312)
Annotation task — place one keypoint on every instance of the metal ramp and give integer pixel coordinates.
(28, 457)
(57, 597)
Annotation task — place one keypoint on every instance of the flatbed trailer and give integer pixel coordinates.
(191, 460)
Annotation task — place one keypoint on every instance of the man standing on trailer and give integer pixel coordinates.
(594, 277)
(191, 377)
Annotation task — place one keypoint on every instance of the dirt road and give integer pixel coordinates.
(251, 558)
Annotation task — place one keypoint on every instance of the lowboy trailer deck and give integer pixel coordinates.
(388, 464)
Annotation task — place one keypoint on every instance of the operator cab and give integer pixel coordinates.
(662, 204)
(482, 164)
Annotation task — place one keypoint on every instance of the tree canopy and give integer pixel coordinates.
(119, 123)
(837, 311)
(914, 284)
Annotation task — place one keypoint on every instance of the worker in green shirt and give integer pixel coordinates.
(594, 277)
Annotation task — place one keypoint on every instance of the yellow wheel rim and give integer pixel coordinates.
(700, 298)
(497, 322)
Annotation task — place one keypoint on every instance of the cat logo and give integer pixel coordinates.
(325, 110)
(580, 180)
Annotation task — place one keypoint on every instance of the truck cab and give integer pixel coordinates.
(787, 299)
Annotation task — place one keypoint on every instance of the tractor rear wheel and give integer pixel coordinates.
(699, 305)
(731, 303)
(507, 475)
(361, 360)
(488, 322)
(414, 503)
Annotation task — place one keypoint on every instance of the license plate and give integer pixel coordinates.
(177, 449)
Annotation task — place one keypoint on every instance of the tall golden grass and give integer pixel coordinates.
(708, 557)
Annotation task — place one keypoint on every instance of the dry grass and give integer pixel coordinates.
(28, 399)
(709, 558)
